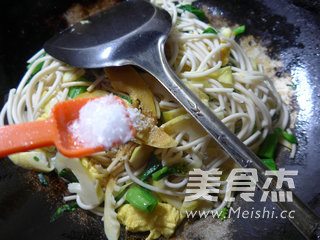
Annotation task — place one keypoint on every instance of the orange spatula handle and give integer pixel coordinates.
(26, 136)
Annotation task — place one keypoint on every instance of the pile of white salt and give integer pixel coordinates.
(104, 122)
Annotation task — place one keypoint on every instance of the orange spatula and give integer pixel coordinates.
(52, 131)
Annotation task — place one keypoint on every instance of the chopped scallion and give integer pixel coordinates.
(239, 30)
(269, 145)
(223, 213)
(75, 91)
(269, 162)
(199, 13)
(180, 168)
(153, 166)
(141, 199)
(125, 98)
(160, 173)
(68, 175)
(62, 209)
(210, 30)
(121, 194)
(36, 159)
(293, 86)
(287, 136)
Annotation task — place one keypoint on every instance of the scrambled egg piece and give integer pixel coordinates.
(161, 221)
(93, 171)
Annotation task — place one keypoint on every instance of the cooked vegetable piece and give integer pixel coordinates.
(75, 91)
(285, 143)
(224, 56)
(140, 156)
(167, 170)
(224, 76)
(141, 199)
(73, 75)
(38, 67)
(168, 115)
(125, 98)
(293, 86)
(28, 160)
(210, 30)
(62, 209)
(269, 145)
(111, 225)
(199, 13)
(67, 174)
(42, 179)
(91, 192)
(269, 162)
(156, 137)
(289, 137)
(184, 123)
(175, 201)
(223, 213)
(153, 166)
(199, 93)
(127, 79)
(121, 194)
(239, 30)
(160, 173)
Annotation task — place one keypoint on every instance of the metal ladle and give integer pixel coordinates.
(134, 33)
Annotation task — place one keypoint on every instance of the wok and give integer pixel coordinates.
(289, 30)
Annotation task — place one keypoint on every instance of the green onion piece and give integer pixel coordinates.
(293, 86)
(62, 209)
(153, 165)
(125, 98)
(269, 145)
(141, 199)
(68, 175)
(223, 213)
(199, 13)
(30, 64)
(36, 69)
(42, 179)
(287, 136)
(180, 168)
(36, 159)
(75, 91)
(120, 195)
(160, 121)
(239, 30)
(210, 98)
(210, 30)
(160, 173)
(269, 162)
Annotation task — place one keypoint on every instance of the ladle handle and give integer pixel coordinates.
(154, 61)
(26, 136)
